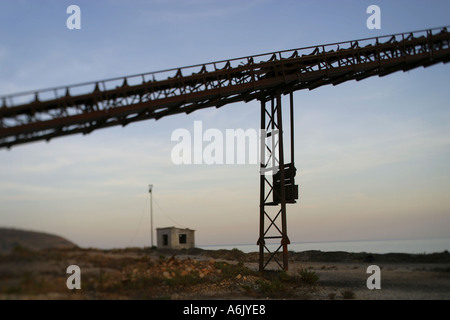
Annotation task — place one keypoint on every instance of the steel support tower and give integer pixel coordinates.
(277, 185)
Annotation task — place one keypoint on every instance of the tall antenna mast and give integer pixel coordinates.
(150, 187)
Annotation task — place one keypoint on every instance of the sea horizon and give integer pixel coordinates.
(411, 246)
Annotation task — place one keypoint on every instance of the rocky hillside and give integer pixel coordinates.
(13, 238)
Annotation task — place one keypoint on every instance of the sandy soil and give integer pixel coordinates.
(398, 281)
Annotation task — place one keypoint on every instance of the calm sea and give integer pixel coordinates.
(370, 246)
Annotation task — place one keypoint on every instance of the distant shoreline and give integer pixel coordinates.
(306, 256)
(410, 246)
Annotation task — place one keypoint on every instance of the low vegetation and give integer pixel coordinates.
(136, 273)
(348, 294)
(142, 274)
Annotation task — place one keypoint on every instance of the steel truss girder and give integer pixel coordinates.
(82, 108)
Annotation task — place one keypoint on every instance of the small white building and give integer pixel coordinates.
(175, 238)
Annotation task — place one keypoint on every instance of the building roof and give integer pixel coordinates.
(187, 229)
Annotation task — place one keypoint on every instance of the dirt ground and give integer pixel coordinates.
(398, 281)
(224, 274)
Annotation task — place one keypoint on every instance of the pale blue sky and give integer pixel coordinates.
(373, 156)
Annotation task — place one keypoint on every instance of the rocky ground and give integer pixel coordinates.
(219, 274)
